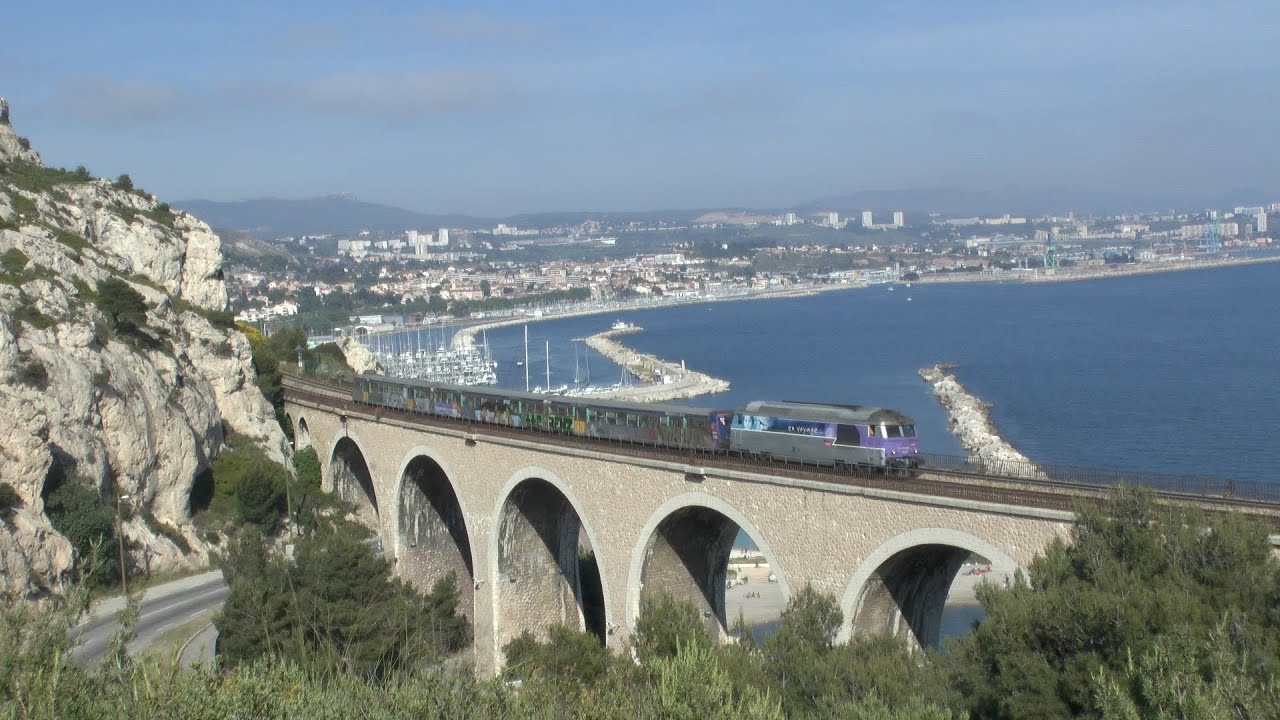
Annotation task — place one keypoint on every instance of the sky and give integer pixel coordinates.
(494, 108)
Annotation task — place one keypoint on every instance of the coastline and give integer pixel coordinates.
(466, 334)
(971, 421)
(664, 380)
(1082, 274)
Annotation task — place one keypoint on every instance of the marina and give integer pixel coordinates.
(405, 355)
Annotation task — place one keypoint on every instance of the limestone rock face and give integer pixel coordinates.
(141, 414)
(359, 357)
(11, 146)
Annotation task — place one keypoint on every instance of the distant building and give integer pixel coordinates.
(789, 219)
(442, 237)
(833, 219)
(866, 219)
(899, 218)
(1260, 222)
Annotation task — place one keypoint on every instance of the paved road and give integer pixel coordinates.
(163, 607)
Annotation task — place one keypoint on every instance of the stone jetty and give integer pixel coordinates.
(663, 380)
(971, 423)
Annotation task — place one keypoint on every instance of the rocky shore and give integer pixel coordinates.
(971, 423)
(663, 380)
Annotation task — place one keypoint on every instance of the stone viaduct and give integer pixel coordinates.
(511, 515)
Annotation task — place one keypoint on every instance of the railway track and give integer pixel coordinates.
(959, 484)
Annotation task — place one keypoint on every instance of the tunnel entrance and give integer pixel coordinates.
(547, 574)
(353, 482)
(701, 556)
(433, 541)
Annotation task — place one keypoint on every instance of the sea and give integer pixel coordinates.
(1172, 373)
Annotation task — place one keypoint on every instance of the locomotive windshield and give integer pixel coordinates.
(897, 431)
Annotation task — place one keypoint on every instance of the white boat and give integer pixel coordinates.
(621, 325)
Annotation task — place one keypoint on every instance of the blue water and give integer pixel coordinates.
(1173, 373)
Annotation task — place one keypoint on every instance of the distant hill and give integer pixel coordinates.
(332, 214)
(1028, 201)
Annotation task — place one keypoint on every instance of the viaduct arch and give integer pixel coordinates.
(430, 539)
(901, 587)
(683, 550)
(538, 533)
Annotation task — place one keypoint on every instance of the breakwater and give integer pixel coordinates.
(663, 380)
(971, 423)
(466, 335)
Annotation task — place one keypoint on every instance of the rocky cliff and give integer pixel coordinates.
(140, 414)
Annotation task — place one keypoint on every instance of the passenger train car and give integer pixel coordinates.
(809, 432)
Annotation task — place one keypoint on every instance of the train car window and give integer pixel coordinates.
(893, 431)
(871, 431)
(908, 431)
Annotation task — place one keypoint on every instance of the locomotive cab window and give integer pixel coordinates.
(892, 431)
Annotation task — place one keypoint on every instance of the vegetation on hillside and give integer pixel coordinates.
(124, 307)
(77, 510)
(334, 608)
(1150, 612)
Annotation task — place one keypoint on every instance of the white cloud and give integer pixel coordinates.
(428, 93)
(102, 99)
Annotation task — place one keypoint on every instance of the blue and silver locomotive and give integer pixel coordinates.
(795, 431)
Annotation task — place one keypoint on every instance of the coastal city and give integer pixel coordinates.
(425, 276)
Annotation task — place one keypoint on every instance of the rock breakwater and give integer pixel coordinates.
(971, 424)
(663, 380)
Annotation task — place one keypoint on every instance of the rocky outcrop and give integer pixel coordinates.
(11, 144)
(139, 414)
(971, 423)
(359, 357)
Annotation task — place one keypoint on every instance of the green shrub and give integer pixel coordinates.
(70, 239)
(124, 182)
(26, 209)
(125, 308)
(36, 178)
(246, 485)
(102, 378)
(79, 512)
(162, 214)
(306, 463)
(32, 373)
(14, 261)
(27, 312)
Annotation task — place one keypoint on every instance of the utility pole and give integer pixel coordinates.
(124, 578)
